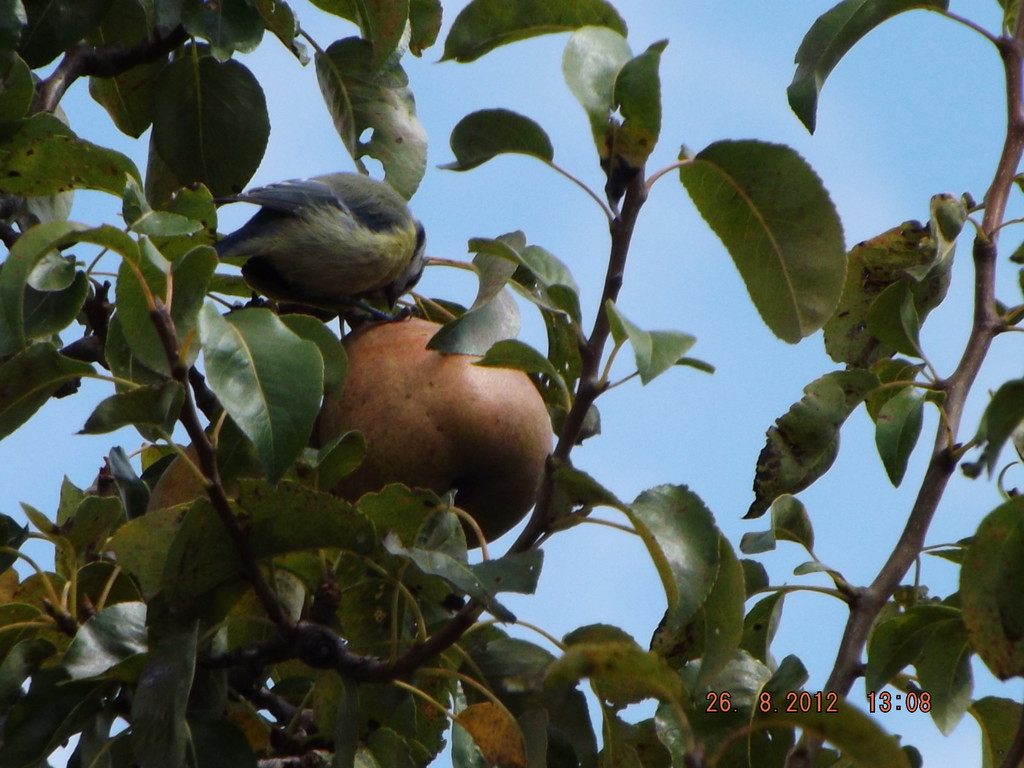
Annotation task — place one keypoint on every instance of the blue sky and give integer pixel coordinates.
(915, 109)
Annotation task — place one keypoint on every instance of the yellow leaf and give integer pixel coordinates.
(8, 585)
(252, 725)
(495, 733)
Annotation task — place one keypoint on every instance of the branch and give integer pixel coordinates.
(591, 352)
(84, 60)
(207, 457)
(986, 324)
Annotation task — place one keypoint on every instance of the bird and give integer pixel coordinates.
(333, 241)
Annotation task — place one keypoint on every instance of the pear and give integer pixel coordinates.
(437, 421)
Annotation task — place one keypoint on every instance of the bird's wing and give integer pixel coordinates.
(292, 196)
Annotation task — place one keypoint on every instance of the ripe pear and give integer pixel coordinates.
(436, 421)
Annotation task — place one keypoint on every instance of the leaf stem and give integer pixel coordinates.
(591, 193)
(970, 25)
(786, 589)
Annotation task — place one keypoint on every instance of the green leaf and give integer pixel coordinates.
(34, 247)
(190, 275)
(990, 594)
(425, 23)
(268, 380)
(541, 277)
(108, 638)
(755, 576)
(622, 671)
(131, 488)
(123, 362)
(477, 330)
(892, 319)
(130, 96)
(714, 633)
(217, 739)
(515, 572)
(484, 25)
(363, 97)
(590, 63)
(804, 442)
(154, 406)
(859, 737)
(575, 488)
(291, 518)
(897, 428)
(229, 25)
(756, 542)
(890, 371)
(339, 458)
(998, 719)
(88, 528)
(19, 663)
(487, 133)
(722, 714)
(210, 123)
(898, 641)
(16, 87)
(159, 730)
(775, 218)
(682, 540)
(12, 536)
(50, 312)
(141, 546)
(944, 670)
(157, 224)
(772, 745)
(638, 96)
(56, 25)
(514, 670)
(331, 350)
(760, 625)
(383, 24)
(828, 40)
(53, 710)
(28, 380)
(790, 522)
(1003, 415)
(904, 254)
(519, 356)
(45, 157)
(199, 558)
(655, 351)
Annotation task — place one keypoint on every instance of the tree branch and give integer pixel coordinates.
(591, 352)
(207, 457)
(986, 324)
(84, 60)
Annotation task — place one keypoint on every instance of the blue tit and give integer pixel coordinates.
(331, 241)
